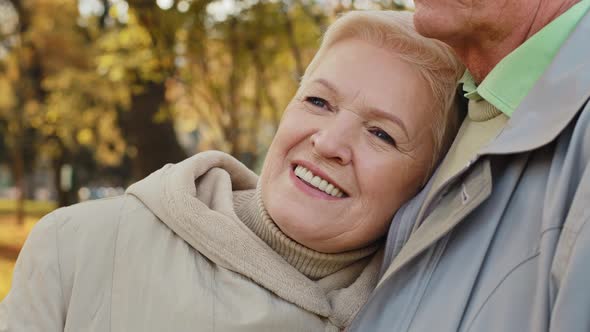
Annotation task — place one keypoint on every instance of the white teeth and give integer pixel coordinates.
(316, 181)
(329, 188)
(336, 192)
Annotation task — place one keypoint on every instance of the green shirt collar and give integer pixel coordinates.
(513, 77)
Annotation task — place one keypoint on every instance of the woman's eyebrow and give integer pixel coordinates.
(373, 111)
(327, 84)
(376, 112)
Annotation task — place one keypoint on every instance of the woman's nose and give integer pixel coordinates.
(334, 142)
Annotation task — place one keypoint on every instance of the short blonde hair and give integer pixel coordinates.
(435, 61)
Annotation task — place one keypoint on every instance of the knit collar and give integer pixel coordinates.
(481, 110)
(313, 264)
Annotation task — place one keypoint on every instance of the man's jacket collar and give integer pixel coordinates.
(554, 100)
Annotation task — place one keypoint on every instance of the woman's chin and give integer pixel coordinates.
(304, 228)
(306, 215)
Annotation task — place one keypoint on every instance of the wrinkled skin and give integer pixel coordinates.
(331, 125)
(482, 32)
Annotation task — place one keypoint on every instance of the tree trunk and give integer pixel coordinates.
(232, 129)
(18, 155)
(18, 169)
(295, 52)
(62, 195)
(258, 105)
(262, 86)
(65, 196)
(155, 141)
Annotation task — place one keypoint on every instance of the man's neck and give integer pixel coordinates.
(483, 54)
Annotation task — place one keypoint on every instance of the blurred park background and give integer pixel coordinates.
(97, 94)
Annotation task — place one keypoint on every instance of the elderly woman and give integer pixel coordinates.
(206, 245)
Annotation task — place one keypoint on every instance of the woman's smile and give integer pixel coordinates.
(315, 183)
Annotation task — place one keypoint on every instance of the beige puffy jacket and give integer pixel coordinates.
(171, 255)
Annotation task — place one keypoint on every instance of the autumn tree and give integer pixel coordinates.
(125, 80)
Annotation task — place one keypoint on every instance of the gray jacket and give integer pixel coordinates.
(505, 245)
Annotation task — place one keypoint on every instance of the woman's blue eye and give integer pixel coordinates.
(383, 136)
(317, 102)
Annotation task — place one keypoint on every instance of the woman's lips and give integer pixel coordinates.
(317, 181)
(309, 189)
(315, 171)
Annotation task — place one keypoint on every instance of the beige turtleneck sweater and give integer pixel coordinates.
(314, 265)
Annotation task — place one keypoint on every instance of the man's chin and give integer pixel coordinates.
(430, 24)
(424, 25)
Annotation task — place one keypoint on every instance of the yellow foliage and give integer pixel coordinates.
(85, 136)
(91, 71)
(7, 99)
(162, 115)
(117, 74)
(110, 146)
(186, 125)
(31, 107)
(51, 149)
(128, 54)
(36, 122)
(52, 116)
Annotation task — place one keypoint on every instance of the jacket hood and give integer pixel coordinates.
(194, 181)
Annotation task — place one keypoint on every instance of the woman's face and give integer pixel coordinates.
(361, 124)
